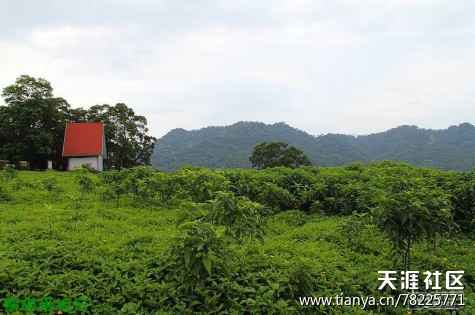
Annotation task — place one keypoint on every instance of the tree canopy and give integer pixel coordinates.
(272, 154)
(32, 124)
(230, 146)
(127, 141)
(33, 121)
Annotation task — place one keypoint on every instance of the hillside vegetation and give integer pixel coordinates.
(138, 241)
(231, 146)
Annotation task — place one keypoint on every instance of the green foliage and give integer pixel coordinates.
(8, 173)
(115, 184)
(198, 184)
(276, 198)
(462, 188)
(50, 216)
(199, 257)
(32, 123)
(355, 166)
(135, 259)
(146, 188)
(411, 215)
(355, 227)
(4, 195)
(87, 167)
(300, 278)
(241, 217)
(231, 146)
(127, 142)
(294, 217)
(52, 185)
(273, 154)
(84, 179)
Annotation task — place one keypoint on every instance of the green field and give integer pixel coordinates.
(230, 241)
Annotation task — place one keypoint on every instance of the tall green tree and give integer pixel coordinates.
(32, 122)
(272, 154)
(409, 211)
(127, 141)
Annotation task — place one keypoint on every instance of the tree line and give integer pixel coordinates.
(230, 147)
(33, 121)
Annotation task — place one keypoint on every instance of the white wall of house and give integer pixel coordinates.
(101, 164)
(96, 162)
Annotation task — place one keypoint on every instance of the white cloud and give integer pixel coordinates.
(295, 8)
(323, 66)
(72, 37)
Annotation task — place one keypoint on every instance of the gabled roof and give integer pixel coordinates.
(84, 139)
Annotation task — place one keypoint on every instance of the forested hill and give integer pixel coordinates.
(231, 146)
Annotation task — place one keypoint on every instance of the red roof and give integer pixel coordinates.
(84, 139)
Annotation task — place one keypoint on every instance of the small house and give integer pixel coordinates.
(85, 143)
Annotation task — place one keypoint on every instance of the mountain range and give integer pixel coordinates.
(230, 146)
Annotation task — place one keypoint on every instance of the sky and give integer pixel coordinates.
(334, 66)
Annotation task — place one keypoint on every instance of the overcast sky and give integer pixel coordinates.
(335, 66)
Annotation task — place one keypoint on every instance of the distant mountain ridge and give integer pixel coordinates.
(230, 146)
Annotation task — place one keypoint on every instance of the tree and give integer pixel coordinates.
(410, 214)
(32, 123)
(127, 141)
(272, 154)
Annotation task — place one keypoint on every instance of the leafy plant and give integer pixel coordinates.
(241, 217)
(115, 185)
(4, 195)
(411, 215)
(137, 260)
(276, 198)
(51, 218)
(84, 179)
(52, 185)
(355, 227)
(8, 173)
(198, 257)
